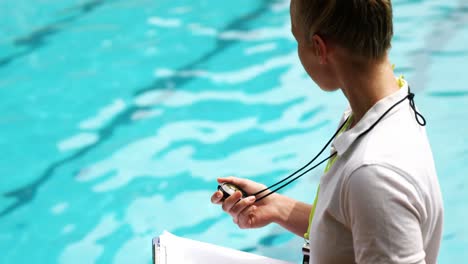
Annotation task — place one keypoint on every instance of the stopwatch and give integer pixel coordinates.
(229, 189)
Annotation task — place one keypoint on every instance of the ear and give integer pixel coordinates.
(320, 48)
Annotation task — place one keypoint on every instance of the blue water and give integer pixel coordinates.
(117, 117)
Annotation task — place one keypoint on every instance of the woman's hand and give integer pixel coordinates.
(245, 212)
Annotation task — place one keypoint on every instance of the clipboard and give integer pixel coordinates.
(170, 249)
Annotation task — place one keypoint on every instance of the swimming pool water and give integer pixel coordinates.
(117, 117)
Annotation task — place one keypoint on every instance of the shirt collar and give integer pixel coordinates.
(343, 141)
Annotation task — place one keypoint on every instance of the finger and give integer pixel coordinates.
(217, 197)
(241, 205)
(231, 201)
(247, 218)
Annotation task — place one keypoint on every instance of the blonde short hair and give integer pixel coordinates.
(364, 27)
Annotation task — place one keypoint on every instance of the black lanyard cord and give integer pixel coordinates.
(299, 170)
(295, 178)
(418, 116)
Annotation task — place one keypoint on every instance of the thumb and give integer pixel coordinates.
(246, 185)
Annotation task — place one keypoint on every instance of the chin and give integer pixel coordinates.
(329, 89)
(325, 84)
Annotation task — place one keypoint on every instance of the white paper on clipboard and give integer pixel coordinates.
(159, 252)
(171, 249)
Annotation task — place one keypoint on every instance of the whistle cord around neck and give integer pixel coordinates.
(418, 116)
(303, 167)
(295, 178)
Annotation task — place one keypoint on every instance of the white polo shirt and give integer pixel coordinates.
(380, 202)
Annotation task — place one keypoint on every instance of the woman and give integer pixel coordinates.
(379, 200)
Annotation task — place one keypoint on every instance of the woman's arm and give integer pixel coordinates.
(293, 215)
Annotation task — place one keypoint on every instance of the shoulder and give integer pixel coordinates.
(382, 189)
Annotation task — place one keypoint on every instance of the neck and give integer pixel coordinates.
(364, 86)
